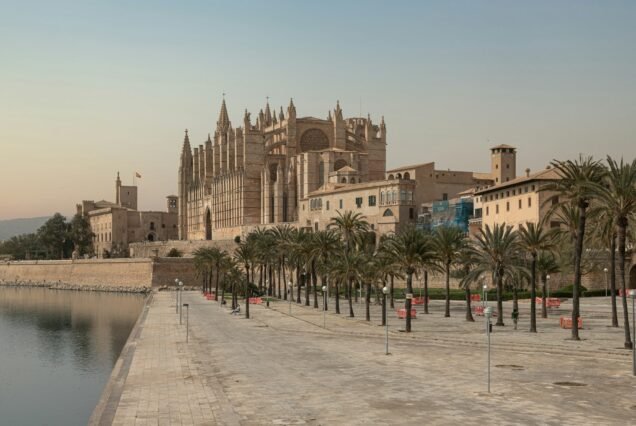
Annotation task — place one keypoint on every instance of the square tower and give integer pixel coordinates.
(503, 163)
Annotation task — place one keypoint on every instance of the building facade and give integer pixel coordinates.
(115, 225)
(263, 173)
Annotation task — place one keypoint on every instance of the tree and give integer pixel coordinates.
(53, 234)
(409, 250)
(546, 264)
(23, 247)
(605, 235)
(533, 239)
(495, 252)
(448, 243)
(174, 252)
(576, 177)
(350, 226)
(245, 254)
(617, 191)
(349, 267)
(81, 235)
(324, 245)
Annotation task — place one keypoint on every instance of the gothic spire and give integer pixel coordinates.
(268, 114)
(291, 109)
(224, 119)
(281, 115)
(186, 151)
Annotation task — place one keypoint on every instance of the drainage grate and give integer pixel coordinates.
(569, 384)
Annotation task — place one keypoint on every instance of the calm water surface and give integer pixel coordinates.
(57, 350)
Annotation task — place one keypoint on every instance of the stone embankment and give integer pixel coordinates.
(115, 275)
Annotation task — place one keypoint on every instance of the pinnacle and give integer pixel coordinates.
(224, 119)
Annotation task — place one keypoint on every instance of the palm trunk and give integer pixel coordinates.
(515, 299)
(425, 291)
(407, 302)
(260, 279)
(247, 292)
(314, 280)
(544, 292)
(298, 277)
(533, 295)
(307, 281)
(612, 269)
(280, 296)
(469, 312)
(383, 309)
(216, 284)
(284, 279)
(622, 227)
(350, 299)
(447, 311)
(367, 298)
(337, 288)
(578, 253)
(500, 321)
(391, 293)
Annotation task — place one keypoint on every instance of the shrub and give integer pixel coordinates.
(174, 253)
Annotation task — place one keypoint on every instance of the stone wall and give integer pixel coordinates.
(161, 248)
(100, 274)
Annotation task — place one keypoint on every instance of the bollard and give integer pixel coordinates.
(187, 306)
(385, 291)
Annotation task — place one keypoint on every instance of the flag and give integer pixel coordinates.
(137, 175)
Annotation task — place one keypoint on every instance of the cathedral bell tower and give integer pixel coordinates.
(185, 178)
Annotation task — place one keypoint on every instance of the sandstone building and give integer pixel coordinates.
(116, 224)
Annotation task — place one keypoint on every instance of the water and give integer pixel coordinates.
(57, 350)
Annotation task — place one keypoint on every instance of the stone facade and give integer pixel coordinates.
(262, 173)
(118, 224)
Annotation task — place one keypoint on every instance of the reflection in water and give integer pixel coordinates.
(57, 349)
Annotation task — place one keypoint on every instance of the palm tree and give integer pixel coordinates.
(605, 236)
(203, 265)
(576, 177)
(546, 264)
(409, 250)
(283, 237)
(349, 267)
(324, 245)
(533, 239)
(618, 193)
(350, 226)
(466, 263)
(245, 255)
(495, 252)
(448, 243)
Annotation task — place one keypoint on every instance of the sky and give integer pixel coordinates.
(89, 88)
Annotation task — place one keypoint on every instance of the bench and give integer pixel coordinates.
(419, 300)
(566, 322)
(256, 301)
(401, 313)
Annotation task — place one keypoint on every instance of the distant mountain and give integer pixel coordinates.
(13, 227)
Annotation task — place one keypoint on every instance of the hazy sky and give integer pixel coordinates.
(88, 88)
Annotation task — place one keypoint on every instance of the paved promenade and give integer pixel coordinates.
(282, 369)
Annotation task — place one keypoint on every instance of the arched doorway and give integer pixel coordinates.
(208, 225)
(632, 277)
(151, 237)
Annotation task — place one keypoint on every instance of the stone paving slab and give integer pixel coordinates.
(282, 369)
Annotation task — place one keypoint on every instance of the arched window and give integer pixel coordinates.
(398, 176)
(407, 176)
(344, 180)
(391, 177)
(387, 213)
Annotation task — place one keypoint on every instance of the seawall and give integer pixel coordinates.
(100, 274)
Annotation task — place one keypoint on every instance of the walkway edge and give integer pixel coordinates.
(106, 407)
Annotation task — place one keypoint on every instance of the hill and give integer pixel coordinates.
(13, 227)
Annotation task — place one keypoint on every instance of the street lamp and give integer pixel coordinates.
(488, 314)
(324, 306)
(187, 305)
(180, 300)
(385, 291)
(632, 295)
(605, 270)
(485, 293)
(176, 295)
(547, 277)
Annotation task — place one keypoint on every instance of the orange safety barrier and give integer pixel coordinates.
(475, 297)
(401, 313)
(478, 310)
(419, 300)
(550, 302)
(566, 322)
(256, 300)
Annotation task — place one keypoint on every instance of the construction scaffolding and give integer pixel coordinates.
(455, 212)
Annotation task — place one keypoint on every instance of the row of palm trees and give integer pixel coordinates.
(282, 260)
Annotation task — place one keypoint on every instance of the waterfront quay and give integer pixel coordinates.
(306, 368)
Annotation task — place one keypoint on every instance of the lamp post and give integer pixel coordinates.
(632, 295)
(267, 292)
(487, 315)
(485, 293)
(180, 300)
(385, 291)
(187, 306)
(324, 306)
(606, 284)
(176, 295)
(547, 277)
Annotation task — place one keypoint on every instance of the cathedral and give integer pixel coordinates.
(262, 173)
